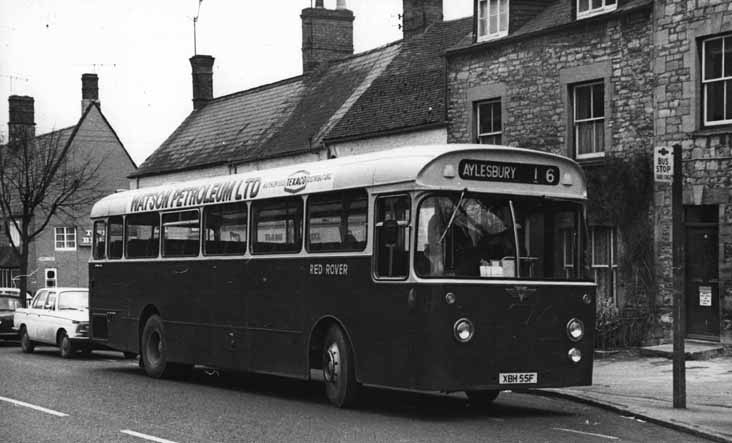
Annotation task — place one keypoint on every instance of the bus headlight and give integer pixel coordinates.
(575, 355)
(463, 330)
(575, 329)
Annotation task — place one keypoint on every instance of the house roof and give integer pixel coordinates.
(556, 14)
(399, 86)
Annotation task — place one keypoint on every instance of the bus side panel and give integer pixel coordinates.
(276, 316)
(374, 315)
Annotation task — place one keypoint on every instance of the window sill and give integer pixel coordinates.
(491, 37)
(713, 130)
(591, 161)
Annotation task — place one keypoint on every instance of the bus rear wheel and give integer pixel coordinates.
(154, 352)
(481, 399)
(338, 369)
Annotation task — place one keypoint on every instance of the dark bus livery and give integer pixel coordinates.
(437, 268)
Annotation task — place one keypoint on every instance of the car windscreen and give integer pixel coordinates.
(9, 303)
(73, 300)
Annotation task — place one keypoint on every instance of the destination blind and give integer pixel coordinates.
(493, 171)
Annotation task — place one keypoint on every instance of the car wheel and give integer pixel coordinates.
(64, 345)
(338, 369)
(26, 345)
(154, 350)
(481, 399)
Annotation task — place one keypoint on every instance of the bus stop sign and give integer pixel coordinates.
(663, 165)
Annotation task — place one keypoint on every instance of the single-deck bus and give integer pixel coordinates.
(438, 268)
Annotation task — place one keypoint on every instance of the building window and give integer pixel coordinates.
(604, 260)
(717, 80)
(65, 238)
(589, 8)
(488, 118)
(589, 119)
(492, 19)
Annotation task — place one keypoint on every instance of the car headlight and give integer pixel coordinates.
(463, 330)
(575, 329)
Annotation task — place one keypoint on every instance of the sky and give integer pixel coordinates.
(140, 51)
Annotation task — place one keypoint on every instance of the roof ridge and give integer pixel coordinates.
(258, 88)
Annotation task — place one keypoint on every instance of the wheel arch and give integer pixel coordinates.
(317, 336)
(60, 333)
(146, 313)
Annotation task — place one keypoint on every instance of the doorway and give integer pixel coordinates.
(702, 272)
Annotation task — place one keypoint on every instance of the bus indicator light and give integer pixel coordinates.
(575, 329)
(575, 355)
(449, 298)
(463, 330)
(449, 171)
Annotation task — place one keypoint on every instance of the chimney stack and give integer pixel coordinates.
(21, 124)
(89, 90)
(202, 73)
(327, 34)
(417, 15)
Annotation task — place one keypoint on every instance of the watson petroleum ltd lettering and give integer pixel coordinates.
(233, 190)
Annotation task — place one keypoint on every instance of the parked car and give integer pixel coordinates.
(9, 302)
(56, 316)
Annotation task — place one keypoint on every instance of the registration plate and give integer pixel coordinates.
(517, 378)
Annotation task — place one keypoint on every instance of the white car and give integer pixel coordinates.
(56, 316)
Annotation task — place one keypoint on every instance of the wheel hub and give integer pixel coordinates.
(333, 364)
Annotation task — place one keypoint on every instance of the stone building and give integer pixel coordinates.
(343, 103)
(605, 82)
(693, 108)
(59, 255)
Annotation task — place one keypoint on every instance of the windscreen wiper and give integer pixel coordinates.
(452, 217)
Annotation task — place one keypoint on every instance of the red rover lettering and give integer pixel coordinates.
(329, 269)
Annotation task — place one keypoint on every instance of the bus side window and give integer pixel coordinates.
(115, 231)
(392, 245)
(100, 240)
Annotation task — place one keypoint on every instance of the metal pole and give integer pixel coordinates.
(679, 236)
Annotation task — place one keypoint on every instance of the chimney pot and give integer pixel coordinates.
(21, 124)
(341, 4)
(202, 74)
(319, 4)
(89, 90)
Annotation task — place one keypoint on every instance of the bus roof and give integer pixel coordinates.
(480, 168)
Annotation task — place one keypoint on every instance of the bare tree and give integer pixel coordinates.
(42, 177)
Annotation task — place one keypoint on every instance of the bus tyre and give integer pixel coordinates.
(64, 346)
(338, 369)
(481, 399)
(154, 352)
(26, 345)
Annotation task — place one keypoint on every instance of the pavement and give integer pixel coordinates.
(639, 385)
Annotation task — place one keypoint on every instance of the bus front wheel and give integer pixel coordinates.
(154, 349)
(338, 369)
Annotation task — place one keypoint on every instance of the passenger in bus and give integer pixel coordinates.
(433, 250)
